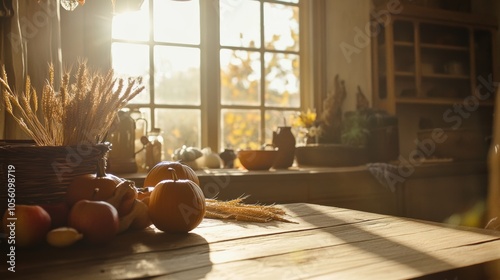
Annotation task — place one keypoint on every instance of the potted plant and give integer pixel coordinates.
(341, 138)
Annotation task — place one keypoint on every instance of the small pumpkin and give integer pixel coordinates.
(160, 172)
(98, 186)
(187, 154)
(176, 205)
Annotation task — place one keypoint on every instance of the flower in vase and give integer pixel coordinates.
(305, 122)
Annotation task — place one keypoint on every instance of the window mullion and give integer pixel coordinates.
(210, 74)
(151, 66)
(262, 76)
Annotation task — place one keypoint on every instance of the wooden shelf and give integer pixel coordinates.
(445, 76)
(404, 44)
(404, 74)
(436, 101)
(444, 47)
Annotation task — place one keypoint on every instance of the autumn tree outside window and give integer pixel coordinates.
(217, 73)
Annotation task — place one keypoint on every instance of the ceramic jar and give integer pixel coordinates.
(284, 140)
(228, 156)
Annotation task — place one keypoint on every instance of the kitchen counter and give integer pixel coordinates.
(431, 191)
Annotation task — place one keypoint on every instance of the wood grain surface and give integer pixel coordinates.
(325, 242)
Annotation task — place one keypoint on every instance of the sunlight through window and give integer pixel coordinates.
(252, 69)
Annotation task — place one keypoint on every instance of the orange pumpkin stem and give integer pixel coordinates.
(174, 174)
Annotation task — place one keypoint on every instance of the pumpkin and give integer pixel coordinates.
(98, 186)
(176, 205)
(187, 154)
(160, 172)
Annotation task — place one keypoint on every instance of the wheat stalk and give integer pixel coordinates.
(81, 112)
(236, 209)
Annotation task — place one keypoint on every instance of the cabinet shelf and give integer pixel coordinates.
(404, 44)
(404, 74)
(436, 101)
(446, 76)
(444, 47)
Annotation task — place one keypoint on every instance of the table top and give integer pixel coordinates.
(325, 242)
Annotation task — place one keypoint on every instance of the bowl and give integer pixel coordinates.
(257, 159)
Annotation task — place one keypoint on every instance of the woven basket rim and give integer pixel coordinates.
(101, 147)
(25, 145)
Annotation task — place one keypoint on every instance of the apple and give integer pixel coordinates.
(96, 220)
(58, 213)
(26, 225)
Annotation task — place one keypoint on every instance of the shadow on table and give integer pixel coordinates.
(380, 245)
(132, 255)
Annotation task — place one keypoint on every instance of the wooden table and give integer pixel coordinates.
(326, 242)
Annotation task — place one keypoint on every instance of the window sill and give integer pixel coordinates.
(348, 187)
(439, 169)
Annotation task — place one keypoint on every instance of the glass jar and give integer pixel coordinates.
(154, 149)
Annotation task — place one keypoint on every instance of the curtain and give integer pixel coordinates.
(30, 41)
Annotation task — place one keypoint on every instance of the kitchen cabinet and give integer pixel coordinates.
(427, 56)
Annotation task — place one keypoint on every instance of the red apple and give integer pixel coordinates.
(96, 220)
(26, 225)
(58, 213)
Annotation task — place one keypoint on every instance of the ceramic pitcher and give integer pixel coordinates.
(284, 140)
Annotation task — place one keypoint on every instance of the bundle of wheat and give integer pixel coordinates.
(493, 224)
(82, 111)
(236, 209)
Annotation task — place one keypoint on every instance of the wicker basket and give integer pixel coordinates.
(42, 174)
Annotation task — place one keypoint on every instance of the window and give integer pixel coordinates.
(218, 75)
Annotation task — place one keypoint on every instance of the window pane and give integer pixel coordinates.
(180, 127)
(276, 118)
(177, 21)
(132, 25)
(240, 129)
(177, 75)
(240, 23)
(132, 60)
(282, 80)
(240, 77)
(281, 27)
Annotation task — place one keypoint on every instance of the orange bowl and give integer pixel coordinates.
(257, 159)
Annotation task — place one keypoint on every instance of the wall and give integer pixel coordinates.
(86, 33)
(348, 51)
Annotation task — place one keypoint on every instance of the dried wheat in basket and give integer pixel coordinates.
(67, 124)
(42, 173)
